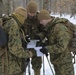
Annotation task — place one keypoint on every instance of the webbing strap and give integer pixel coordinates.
(2, 60)
(1, 52)
(2, 64)
(4, 71)
(23, 35)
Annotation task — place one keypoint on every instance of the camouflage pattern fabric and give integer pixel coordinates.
(58, 41)
(37, 61)
(31, 28)
(18, 74)
(0, 22)
(16, 52)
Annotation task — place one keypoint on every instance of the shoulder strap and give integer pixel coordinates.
(23, 35)
(15, 19)
(4, 51)
(0, 21)
(2, 60)
(1, 52)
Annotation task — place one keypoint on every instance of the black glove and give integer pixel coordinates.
(27, 38)
(28, 59)
(24, 44)
(44, 51)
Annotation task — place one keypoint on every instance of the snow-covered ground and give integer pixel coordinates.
(66, 16)
(47, 69)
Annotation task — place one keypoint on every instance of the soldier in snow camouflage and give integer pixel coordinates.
(58, 41)
(15, 54)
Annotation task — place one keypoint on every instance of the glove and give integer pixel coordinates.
(28, 59)
(27, 38)
(30, 54)
(44, 51)
(24, 44)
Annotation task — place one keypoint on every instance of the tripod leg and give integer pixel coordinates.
(29, 72)
(50, 65)
(26, 64)
(43, 66)
(74, 58)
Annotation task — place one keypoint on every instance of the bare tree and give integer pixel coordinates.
(45, 4)
(61, 6)
(73, 9)
(11, 6)
(6, 6)
(27, 1)
(1, 5)
(53, 6)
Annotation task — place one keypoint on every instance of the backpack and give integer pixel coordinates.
(71, 30)
(3, 43)
(3, 34)
(3, 38)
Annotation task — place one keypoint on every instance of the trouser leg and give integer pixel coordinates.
(36, 65)
(18, 74)
(37, 72)
(64, 69)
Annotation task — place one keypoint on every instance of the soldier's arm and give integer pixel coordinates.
(62, 40)
(14, 42)
(25, 27)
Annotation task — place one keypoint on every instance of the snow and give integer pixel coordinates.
(46, 66)
(66, 16)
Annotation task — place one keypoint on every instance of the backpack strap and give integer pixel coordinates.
(0, 21)
(6, 52)
(2, 58)
(23, 35)
(3, 61)
(1, 52)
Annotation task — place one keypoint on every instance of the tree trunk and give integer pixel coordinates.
(1, 5)
(27, 1)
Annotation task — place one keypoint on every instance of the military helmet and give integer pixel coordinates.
(31, 7)
(20, 10)
(44, 15)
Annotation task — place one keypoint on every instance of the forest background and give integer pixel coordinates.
(54, 6)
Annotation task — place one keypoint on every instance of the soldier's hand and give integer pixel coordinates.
(28, 59)
(44, 51)
(27, 38)
(30, 54)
